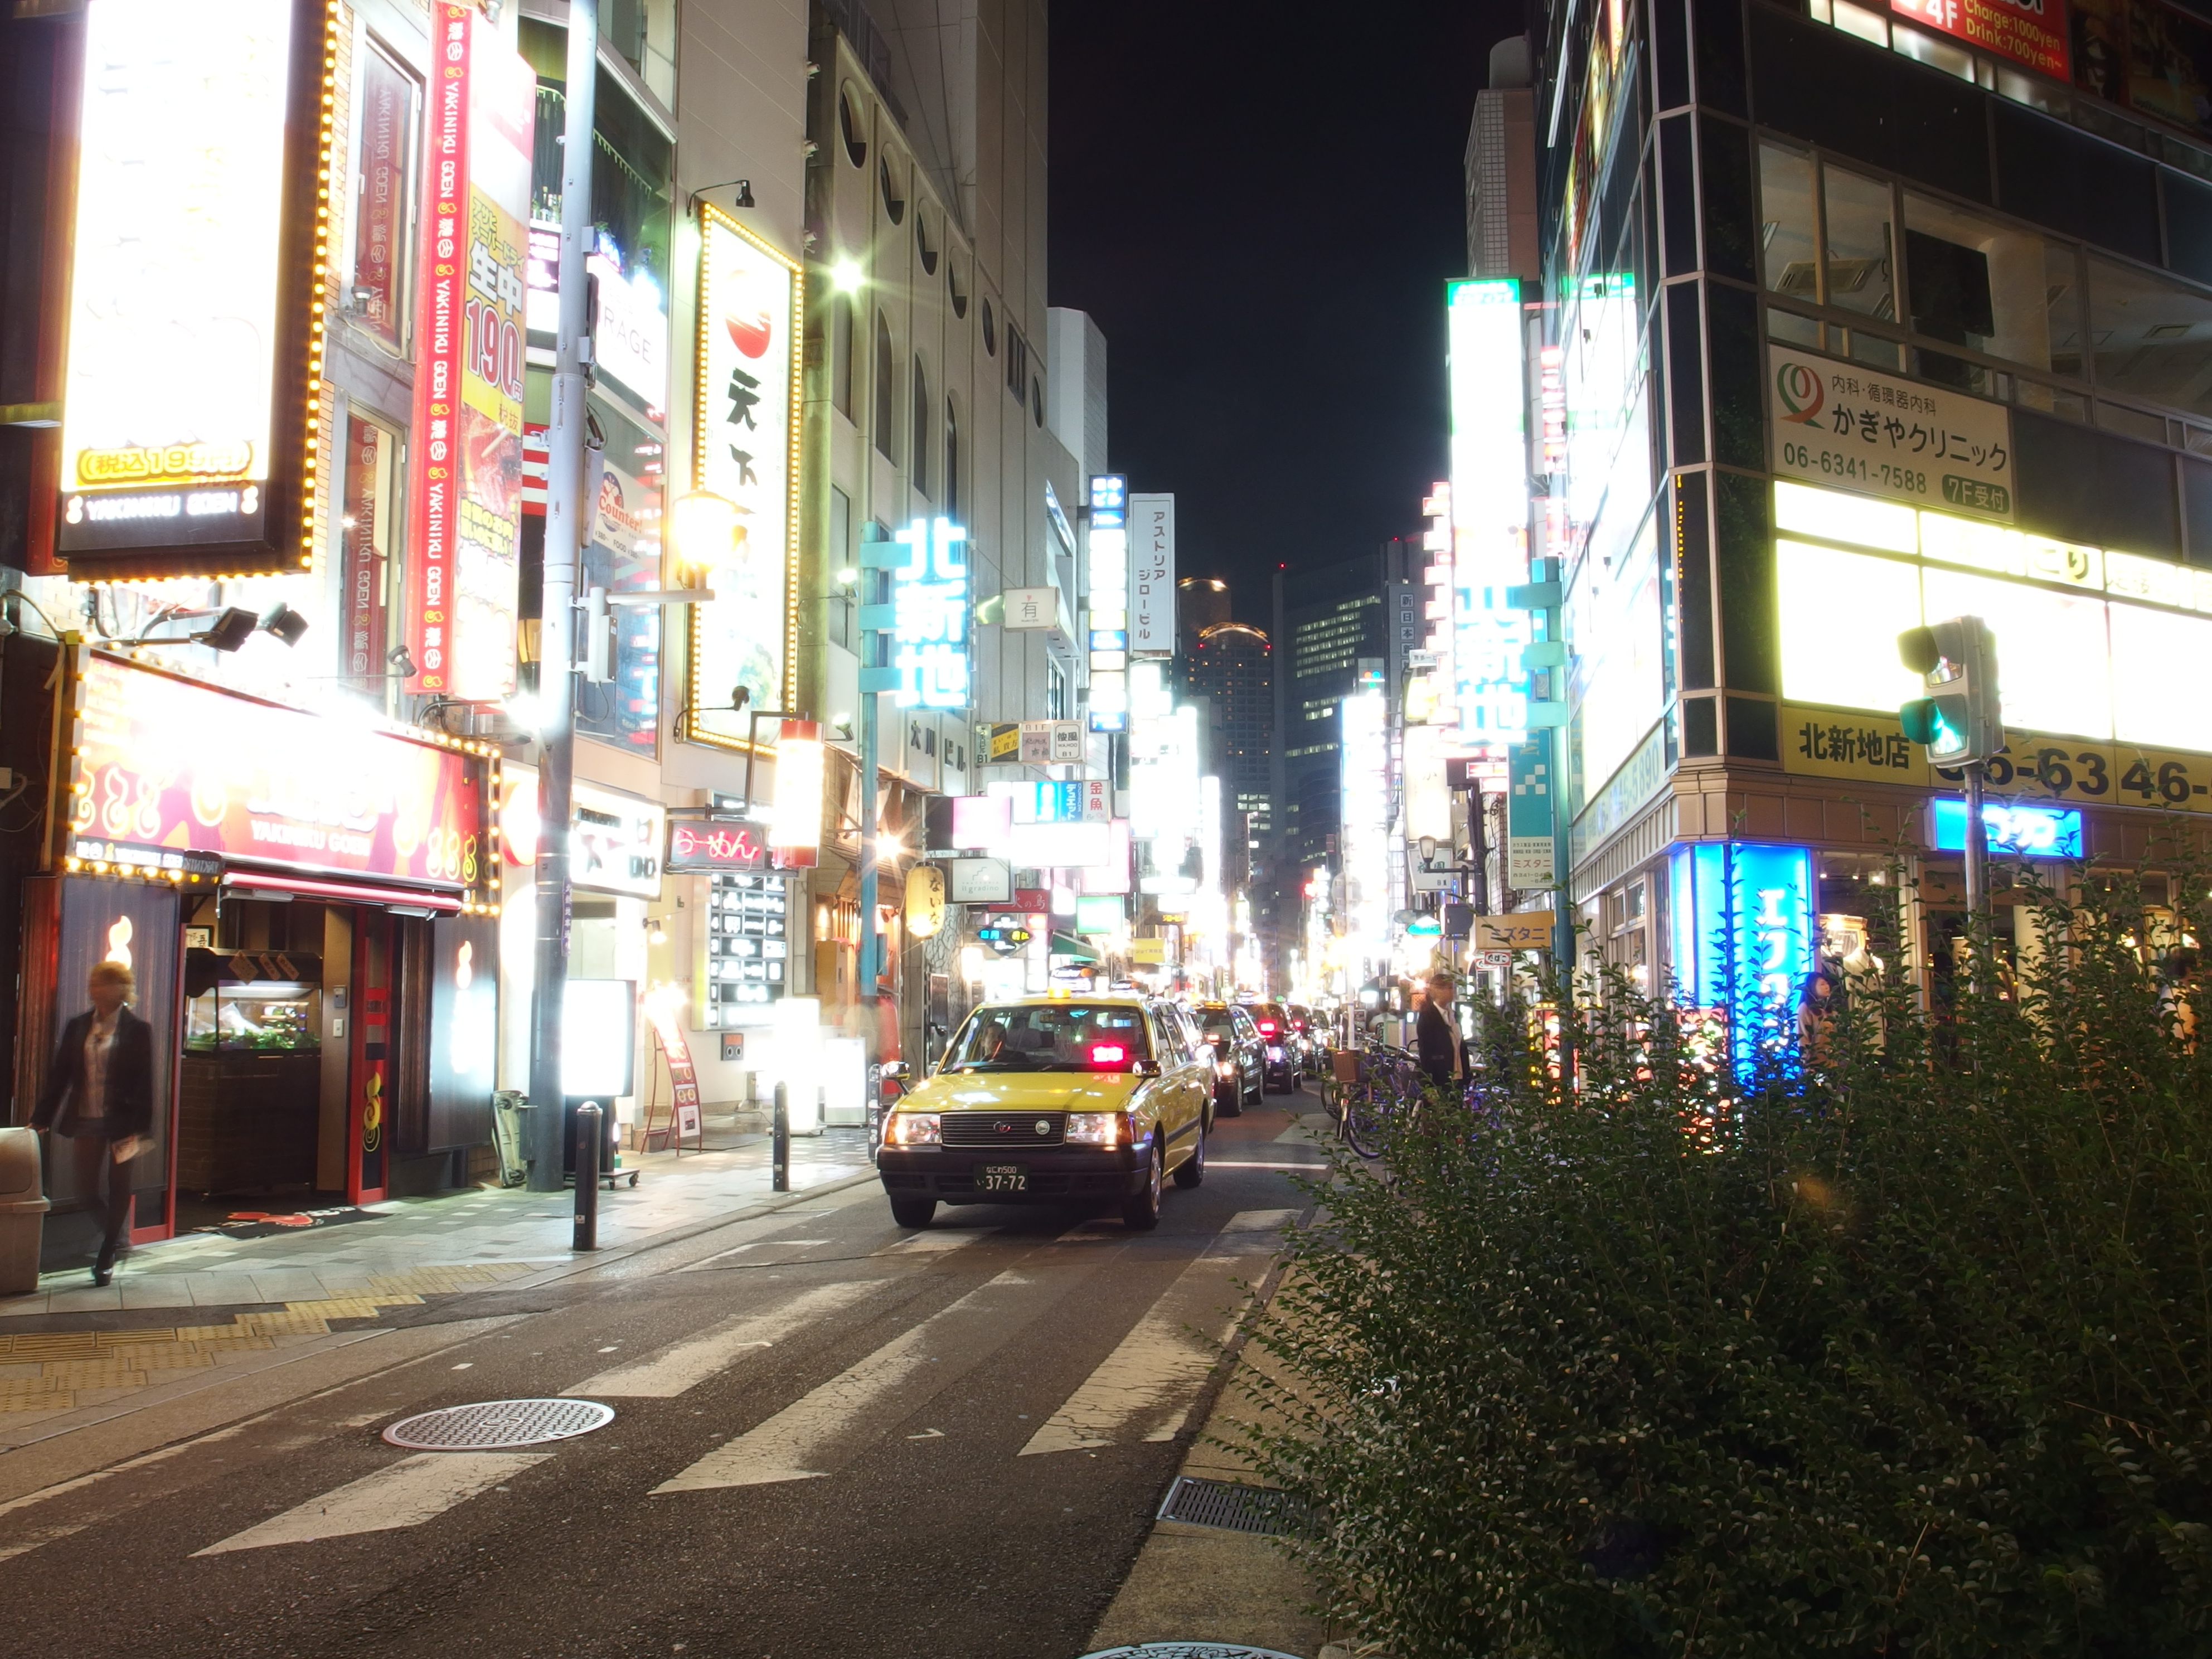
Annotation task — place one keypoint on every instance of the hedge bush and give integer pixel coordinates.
(1902, 1350)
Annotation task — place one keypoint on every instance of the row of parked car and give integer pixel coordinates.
(1260, 1046)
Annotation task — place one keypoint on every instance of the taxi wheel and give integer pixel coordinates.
(1192, 1170)
(913, 1212)
(1142, 1214)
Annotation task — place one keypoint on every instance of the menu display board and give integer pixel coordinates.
(186, 774)
(744, 949)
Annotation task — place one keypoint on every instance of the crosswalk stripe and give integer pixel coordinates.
(402, 1494)
(817, 1435)
(931, 1243)
(1144, 1390)
(669, 1372)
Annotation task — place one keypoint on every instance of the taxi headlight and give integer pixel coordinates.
(1094, 1128)
(912, 1129)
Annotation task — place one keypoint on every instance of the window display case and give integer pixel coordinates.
(253, 1071)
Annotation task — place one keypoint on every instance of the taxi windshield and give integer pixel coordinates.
(1052, 1036)
(1218, 1022)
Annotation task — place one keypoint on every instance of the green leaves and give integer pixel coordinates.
(1908, 1352)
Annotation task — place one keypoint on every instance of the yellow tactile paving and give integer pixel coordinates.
(50, 1370)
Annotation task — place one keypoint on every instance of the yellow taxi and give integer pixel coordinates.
(1077, 1100)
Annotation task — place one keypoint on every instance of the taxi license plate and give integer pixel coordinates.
(1003, 1178)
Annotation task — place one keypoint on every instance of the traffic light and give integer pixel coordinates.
(1960, 719)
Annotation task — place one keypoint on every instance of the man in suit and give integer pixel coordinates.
(1436, 1036)
(100, 1092)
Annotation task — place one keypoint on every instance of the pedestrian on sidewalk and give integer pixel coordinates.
(100, 1092)
(1435, 1035)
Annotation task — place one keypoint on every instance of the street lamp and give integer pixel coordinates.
(704, 529)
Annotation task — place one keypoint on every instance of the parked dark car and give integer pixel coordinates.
(1274, 1028)
(1240, 1063)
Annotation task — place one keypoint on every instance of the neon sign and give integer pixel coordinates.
(1489, 503)
(1743, 942)
(2024, 831)
(929, 616)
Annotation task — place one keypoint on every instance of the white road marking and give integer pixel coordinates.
(819, 1434)
(402, 1494)
(931, 1243)
(664, 1375)
(30, 1541)
(1230, 1163)
(1144, 1390)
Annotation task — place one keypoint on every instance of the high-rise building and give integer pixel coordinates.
(1335, 634)
(1859, 319)
(1232, 665)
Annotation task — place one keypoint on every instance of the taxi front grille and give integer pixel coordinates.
(1006, 1132)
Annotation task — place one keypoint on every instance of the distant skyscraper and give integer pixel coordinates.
(1232, 665)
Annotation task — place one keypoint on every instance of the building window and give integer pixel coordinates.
(851, 125)
(840, 355)
(368, 575)
(1018, 363)
(951, 461)
(921, 247)
(377, 300)
(643, 32)
(1036, 401)
(990, 329)
(1055, 692)
(921, 426)
(885, 421)
(894, 198)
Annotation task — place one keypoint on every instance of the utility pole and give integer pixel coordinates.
(568, 515)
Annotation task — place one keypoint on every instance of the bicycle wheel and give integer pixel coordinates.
(1362, 1121)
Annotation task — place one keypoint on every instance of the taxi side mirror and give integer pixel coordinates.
(896, 1070)
(1144, 1068)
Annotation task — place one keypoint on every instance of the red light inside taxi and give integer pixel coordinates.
(1108, 1054)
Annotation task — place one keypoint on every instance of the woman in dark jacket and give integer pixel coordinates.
(100, 1092)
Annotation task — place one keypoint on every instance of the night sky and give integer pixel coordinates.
(1260, 213)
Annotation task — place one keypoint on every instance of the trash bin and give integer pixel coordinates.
(22, 1211)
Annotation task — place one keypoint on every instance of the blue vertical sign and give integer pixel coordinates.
(929, 616)
(1741, 921)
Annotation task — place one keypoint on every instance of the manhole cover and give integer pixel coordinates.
(1189, 1650)
(497, 1423)
(1235, 1508)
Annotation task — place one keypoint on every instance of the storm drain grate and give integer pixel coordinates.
(498, 1423)
(1236, 1508)
(1189, 1650)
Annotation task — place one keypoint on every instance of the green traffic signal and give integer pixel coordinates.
(1937, 723)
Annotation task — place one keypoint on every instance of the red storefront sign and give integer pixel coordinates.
(170, 774)
(464, 556)
(386, 119)
(2031, 32)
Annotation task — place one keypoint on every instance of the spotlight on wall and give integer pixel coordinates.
(286, 623)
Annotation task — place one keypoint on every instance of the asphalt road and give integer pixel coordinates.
(832, 1438)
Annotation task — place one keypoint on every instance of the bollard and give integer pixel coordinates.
(780, 1142)
(588, 1177)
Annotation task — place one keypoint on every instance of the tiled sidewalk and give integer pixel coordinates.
(461, 1232)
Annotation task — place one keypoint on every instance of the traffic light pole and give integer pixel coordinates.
(1978, 851)
(566, 515)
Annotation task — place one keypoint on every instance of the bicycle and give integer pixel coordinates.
(1372, 1083)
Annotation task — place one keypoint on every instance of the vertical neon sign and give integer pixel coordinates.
(1741, 915)
(1489, 510)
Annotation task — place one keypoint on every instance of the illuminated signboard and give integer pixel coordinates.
(1489, 511)
(629, 334)
(1742, 942)
(183, 770)
(745, 449)
(1109, 603)
(2029, 31)
(615, 842)
(1364, 829)
(929, 616)
(465, 556)
(745, 952)
(2017, 828)
(1151, 540)
(191, 386)
(1840, 424)
(704, 848)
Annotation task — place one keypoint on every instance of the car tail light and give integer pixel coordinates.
(1108, 1054)
(1268, 1028)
